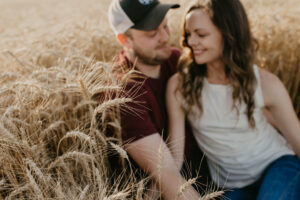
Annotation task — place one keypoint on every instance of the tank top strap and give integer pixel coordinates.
(258, 91)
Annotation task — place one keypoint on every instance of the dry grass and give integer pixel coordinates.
(50, 147)
(54, 59)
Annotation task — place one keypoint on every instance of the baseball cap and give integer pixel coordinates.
(138, 14)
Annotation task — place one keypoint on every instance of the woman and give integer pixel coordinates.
(223, 95)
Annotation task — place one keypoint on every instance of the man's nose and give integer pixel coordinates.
(164, 35)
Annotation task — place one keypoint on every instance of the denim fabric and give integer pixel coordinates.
(280, 181)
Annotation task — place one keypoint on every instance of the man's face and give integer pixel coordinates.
(151, 47)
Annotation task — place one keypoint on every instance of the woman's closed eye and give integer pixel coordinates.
(202, 35)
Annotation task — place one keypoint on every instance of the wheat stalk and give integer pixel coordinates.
(183, 187)
(18, 191)
(120, 150)
(83, 193)
(34, 185)
(118, 196)
(71, 155)
(37, 171)
(212, 195)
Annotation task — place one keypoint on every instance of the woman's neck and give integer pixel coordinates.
(216, 74)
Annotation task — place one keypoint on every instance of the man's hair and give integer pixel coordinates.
(128, 33)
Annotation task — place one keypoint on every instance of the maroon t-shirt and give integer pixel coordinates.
(147, 113)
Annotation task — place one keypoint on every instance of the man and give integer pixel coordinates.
(141, 28)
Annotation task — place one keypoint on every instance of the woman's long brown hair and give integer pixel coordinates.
(238, 54)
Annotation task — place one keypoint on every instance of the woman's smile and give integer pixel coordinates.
(198, 52)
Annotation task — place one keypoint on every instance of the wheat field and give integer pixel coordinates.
(55, 57)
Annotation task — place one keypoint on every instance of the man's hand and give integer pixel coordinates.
(153, 156)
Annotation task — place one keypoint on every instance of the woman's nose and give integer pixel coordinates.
(192, 41)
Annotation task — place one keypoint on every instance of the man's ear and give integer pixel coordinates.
(123, 39)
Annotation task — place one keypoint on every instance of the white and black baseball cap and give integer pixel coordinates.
(138, 14)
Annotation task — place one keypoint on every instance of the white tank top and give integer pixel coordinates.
(237, 154)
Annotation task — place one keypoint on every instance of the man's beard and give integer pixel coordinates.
(157, 60)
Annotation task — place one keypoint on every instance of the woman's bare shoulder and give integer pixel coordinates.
(268, 78)
(175, 78)
(173, 82)
(272, 87)
(173, 87)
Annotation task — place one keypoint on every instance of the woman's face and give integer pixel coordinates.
(203, 37)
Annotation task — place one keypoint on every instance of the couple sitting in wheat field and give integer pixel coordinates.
(240, 115)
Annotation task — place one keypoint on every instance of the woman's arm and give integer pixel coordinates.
(269, 117)
(279, 104)
(176, 117)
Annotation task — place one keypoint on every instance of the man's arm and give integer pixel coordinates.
(149, 150)
(152, 155)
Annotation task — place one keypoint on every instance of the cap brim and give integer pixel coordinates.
(154, 17)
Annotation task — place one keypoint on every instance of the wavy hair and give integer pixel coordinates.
(238, 54)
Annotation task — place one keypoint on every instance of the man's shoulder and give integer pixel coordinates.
(176, 51)
(172, 62)
(138, 89)
(175, 54)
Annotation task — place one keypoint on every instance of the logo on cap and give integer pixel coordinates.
(146, 2)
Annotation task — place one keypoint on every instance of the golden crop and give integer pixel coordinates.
(55, 57)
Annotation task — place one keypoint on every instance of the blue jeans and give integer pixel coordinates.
(281, 180)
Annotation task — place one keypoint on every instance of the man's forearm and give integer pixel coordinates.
(152, 154)
(173, 186)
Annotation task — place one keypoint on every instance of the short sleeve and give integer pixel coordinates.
(173, 61)
(136, 118)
